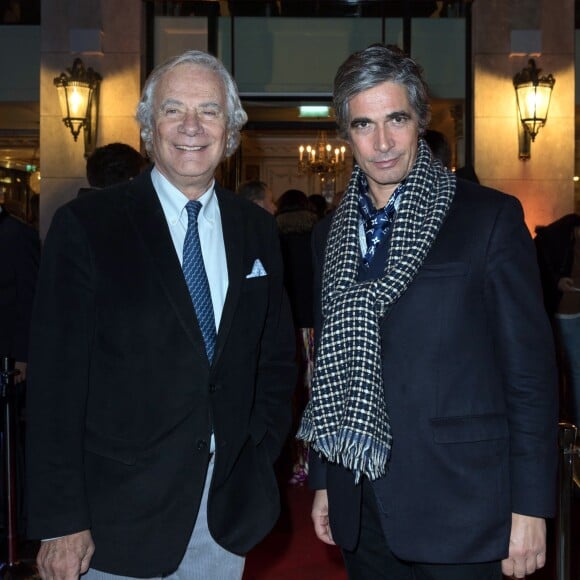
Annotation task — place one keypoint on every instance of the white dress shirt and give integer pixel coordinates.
(211, 235)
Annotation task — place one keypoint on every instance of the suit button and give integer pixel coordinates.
(201, 444)
(212, 388)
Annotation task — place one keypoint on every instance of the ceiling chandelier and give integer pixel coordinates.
(321, 159)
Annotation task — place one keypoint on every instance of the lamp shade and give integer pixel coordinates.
(533, 94)
(76, 92)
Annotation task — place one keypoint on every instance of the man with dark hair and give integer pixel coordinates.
(259, 193)
(439, 146)
(433, 417)
(112, 164)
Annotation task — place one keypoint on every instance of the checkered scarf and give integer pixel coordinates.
(346, 420)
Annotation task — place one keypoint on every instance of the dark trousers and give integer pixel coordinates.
(372, 557)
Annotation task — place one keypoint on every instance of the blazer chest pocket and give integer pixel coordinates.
(255, 284)
(110, 448)
(253, 303)
(469, 429)
(444, 270)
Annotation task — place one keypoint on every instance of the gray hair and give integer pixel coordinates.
(372, 66)
(236, 116)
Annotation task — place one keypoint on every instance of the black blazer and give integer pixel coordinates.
(122, 398)
(470, 384)
(19, 257)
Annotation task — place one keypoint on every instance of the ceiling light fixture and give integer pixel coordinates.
(321, 159)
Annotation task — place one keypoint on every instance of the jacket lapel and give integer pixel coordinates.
(146, 214)
(234, 244)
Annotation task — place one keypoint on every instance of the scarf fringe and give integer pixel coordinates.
(306, 430)
(360, 453)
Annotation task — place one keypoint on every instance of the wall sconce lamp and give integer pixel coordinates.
(533, 94)
(78, 93)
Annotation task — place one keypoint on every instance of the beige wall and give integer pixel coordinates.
(544, 183)
(119, 63)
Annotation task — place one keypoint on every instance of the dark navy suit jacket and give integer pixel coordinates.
(122, 398)
(470, 384)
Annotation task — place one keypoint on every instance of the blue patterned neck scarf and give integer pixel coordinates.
(377, 223)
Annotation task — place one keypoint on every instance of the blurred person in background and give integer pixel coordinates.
(319, 205)
(439, 146)
(19, 259)
(295, 219)
(112, 164)
(259, 193)
(558, 247)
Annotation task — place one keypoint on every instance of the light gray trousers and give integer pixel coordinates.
(204, 559)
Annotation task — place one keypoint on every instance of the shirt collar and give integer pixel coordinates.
(174, 202)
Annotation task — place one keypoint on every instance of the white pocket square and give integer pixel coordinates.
(257, 270)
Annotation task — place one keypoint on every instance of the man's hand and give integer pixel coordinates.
(320, 517)
(566, 285)
(527, 551)
(65, 558)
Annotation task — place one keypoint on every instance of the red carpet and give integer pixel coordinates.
(292, 551)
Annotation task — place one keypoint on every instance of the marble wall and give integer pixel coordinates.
(544, 183)
(107, 35)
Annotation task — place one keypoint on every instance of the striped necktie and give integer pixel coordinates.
(196, 279)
